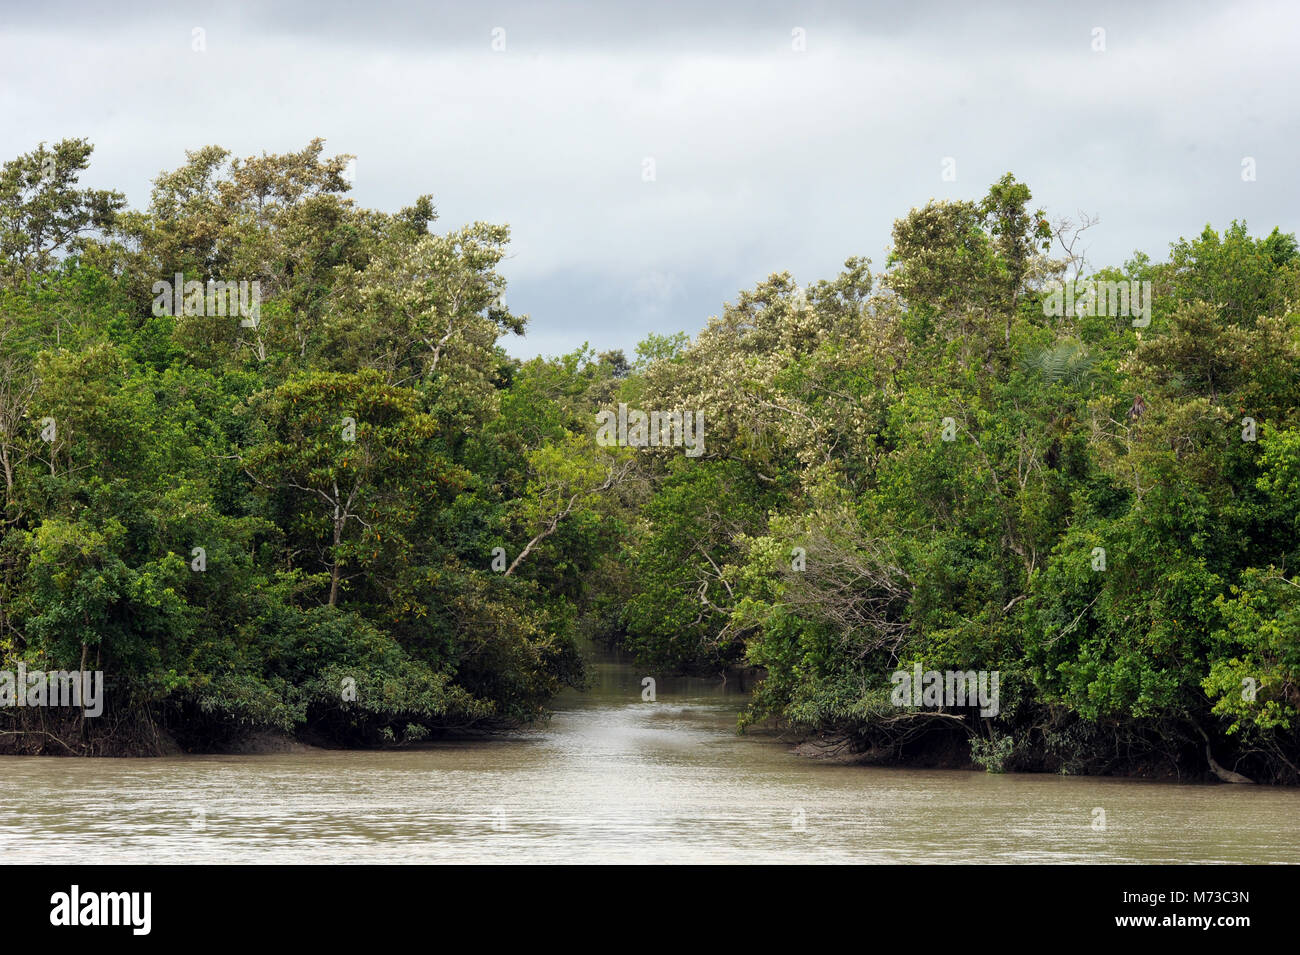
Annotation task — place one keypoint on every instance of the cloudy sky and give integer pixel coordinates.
(783, 136)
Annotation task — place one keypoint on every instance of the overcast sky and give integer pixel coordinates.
(766, 157)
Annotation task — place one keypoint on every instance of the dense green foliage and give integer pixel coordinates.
(1070, 432)
(347, 462)
(931, 466)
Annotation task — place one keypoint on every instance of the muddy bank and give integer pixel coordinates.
(948, 747)
(144, 733)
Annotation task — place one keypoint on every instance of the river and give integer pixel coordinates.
(611, 778)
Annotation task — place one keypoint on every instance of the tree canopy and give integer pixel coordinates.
(358, 519)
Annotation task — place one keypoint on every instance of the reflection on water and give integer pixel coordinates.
(612, 778)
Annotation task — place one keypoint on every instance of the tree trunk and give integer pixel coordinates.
(1225, 775)
(334, 568)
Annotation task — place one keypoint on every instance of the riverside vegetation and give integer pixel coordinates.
(355, 519)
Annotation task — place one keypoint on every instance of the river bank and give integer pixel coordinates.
(943, 744)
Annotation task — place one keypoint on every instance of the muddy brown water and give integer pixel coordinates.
(611, 778)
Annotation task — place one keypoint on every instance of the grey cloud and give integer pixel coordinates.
(766, 159)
